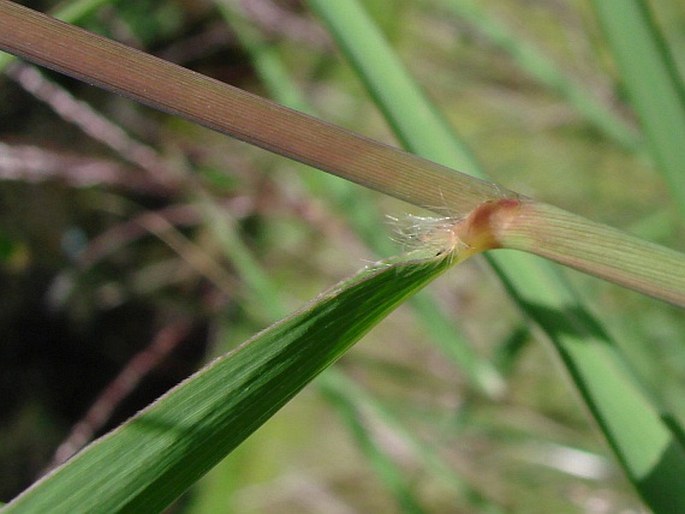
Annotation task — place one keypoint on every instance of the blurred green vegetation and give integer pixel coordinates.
(90, 275)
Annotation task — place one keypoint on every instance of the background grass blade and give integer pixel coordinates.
(534, 62)
(345, 390)
(650, 455)
(652, 82)
(150, 460)
(380, 461)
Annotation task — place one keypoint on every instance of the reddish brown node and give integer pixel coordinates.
(480, 229)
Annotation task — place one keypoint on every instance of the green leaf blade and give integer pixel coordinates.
(652, 82)
(149, 461)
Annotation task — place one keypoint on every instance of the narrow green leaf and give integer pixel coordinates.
(351, 397)
(647, 447)
(150, 460)
(652, 82)
(385, 78)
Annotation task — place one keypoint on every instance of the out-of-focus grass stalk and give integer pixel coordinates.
(652, 82)
(348, 410)
(346, 390)
(347, 198)
(533, 61)
(651, 454)
(77, 9)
